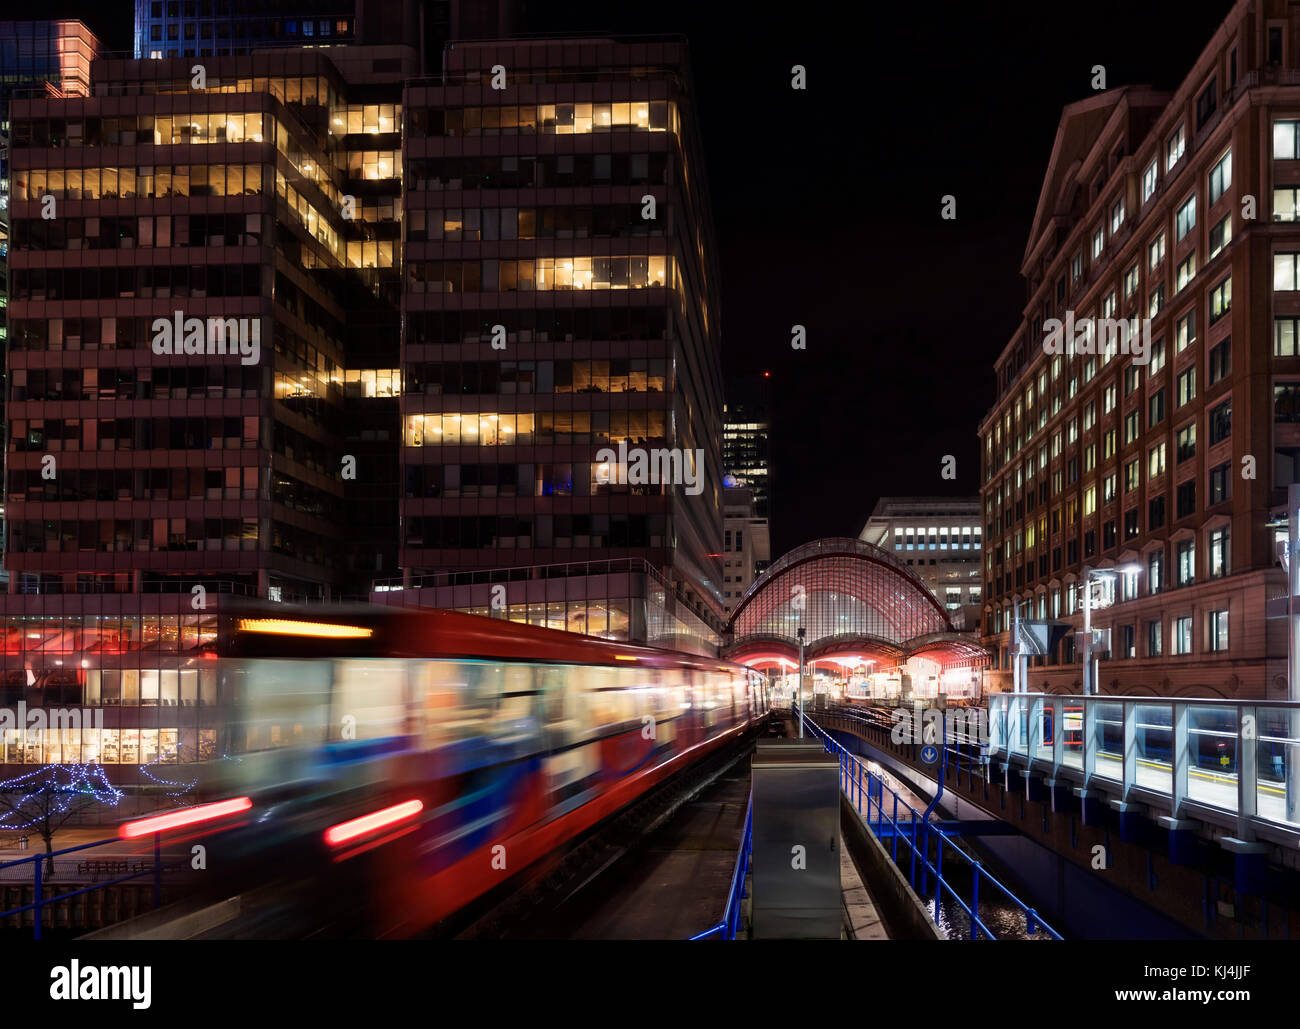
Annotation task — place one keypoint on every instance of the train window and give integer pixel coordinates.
(278, 704)
(608, 696)
(564, 705)
(518, 696)
(369, 700)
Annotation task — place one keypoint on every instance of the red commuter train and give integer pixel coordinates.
(425, 757)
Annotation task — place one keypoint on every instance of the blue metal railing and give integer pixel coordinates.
(916, 833)
(40, 901)
(730, 924)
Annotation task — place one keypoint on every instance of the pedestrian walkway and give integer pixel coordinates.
(861, 919)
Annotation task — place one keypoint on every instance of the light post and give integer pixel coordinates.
(800, 634)
(1017, 680)
(1089, 672)
(1292, 761)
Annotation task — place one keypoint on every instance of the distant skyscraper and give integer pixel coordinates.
(222, 28)
(199, 28)
(746, 452)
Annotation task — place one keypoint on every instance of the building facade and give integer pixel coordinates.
(941, 539)
(746, 544)
(226, 28)
(203, 379)
(254, 354)
(234, 28)
(561, 318)
(49, 58)
(1159, 450)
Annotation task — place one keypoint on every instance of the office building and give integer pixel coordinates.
(939, 538)
(746, 544)
(561, 317)
(746, 450)
(203, 374)
(227, 380)
(1154, 472)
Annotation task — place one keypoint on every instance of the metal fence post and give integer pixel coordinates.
(912, 876)
(38, 900)
(938, 874)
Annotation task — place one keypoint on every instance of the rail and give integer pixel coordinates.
(730, 922)
(1229, 763)
(916, 833)
(39, 879)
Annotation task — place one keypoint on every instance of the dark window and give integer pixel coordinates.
(1186, 498)
(1275, 45)
(1286, 402)
(1220, 360)
(1156, 408)
(1155, 512)
(1220, 483)
(1221, 422)
(1130, 524)
(1205, 105)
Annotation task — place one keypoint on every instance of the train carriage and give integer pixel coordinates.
(425, 757)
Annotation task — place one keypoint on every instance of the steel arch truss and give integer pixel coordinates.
(841, 590)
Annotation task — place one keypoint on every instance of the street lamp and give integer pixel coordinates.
(1089, 673)
(800, 634)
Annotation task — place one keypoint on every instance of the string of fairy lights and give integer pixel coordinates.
(51, 790)
(48, 791)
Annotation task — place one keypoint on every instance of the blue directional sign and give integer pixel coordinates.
(929, 755)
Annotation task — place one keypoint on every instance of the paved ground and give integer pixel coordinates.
(861, 919)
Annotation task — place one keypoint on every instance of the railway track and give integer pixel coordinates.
(524, 908)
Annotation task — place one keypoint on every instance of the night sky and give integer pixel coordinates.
(827, 205)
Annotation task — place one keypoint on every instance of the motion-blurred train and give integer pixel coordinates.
(432, 755)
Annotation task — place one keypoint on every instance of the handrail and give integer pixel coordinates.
(1120, 749)
(852, 772)
(40, 901)
(730, 923)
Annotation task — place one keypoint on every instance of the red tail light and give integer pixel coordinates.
(185, 817)
(347, 831)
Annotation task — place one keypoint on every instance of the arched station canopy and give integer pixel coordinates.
(854, 600)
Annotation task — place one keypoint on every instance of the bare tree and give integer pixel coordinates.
(46, 798)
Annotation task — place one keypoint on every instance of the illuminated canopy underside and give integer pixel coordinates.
(852, 599)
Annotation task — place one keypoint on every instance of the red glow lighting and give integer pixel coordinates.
(351, 829)
(188, 816)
